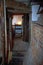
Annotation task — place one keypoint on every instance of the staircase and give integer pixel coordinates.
(17, 58)
(18, 52)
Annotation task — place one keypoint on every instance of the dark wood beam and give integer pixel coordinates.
(40, 11)
(37, 2)
(17, 6)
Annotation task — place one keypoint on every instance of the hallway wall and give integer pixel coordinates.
(1, 36)
(34, 55)
(0, 41)
(1, 28)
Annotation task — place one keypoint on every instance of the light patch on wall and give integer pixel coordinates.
(19, 23)
(17, 19)
(34, 12)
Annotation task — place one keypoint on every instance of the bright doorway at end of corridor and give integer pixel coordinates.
(17, 26)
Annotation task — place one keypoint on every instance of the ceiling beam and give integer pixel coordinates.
(17, 6)
(37, 2)
(14, 4)
(18, 10)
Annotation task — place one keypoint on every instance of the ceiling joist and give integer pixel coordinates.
(17, 6)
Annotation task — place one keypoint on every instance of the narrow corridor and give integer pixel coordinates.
(19, 50)
(21, 32)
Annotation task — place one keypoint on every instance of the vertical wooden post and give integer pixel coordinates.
(10, 40)
(2, 29)
(26, 27)
(10, 31)
(5, 31)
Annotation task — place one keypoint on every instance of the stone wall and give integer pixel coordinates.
(34, 55)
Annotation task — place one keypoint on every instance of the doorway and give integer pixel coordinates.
(17, 26)
(17, 36)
